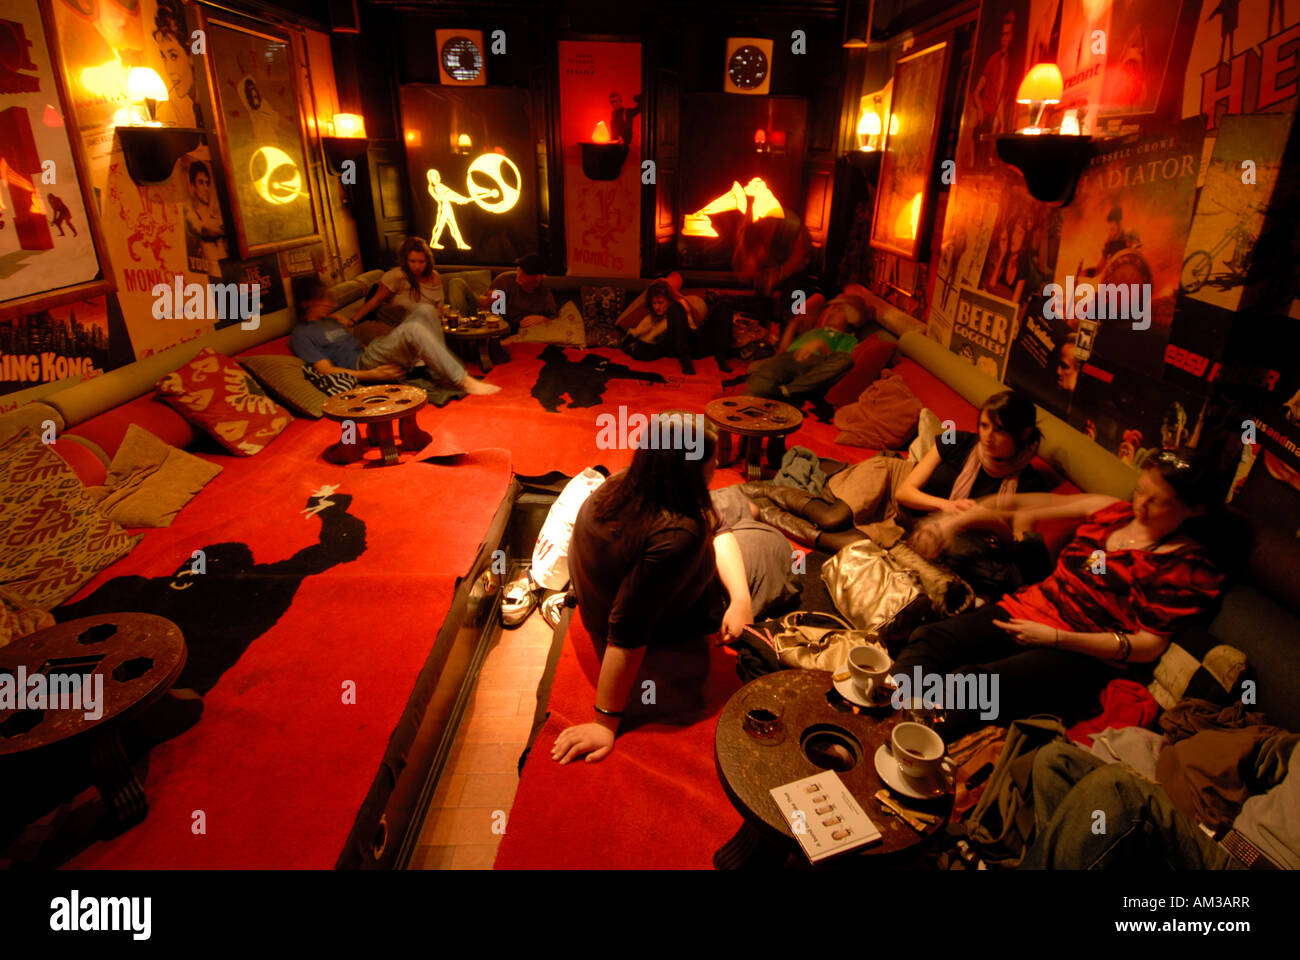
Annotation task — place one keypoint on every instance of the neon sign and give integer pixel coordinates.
(489, 189)
(276, 177)
(765, 204)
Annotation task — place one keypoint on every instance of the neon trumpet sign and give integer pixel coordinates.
(765, 204)
(488, 188)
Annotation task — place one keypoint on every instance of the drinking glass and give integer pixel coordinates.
(762, 713)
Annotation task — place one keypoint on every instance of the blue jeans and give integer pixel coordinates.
(418, 339)
(1091, 815)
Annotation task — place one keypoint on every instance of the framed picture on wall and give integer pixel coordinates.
(263, 144)
(51, 249)
(905, 198)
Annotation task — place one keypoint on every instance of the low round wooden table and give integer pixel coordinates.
(136, 656)
(376, 407)
(478, 339)
(750, 768)
(754, 420)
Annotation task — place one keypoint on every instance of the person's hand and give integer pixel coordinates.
(735, 620)
(593, 739)
(807, 352)
(1027, 633)
(958, 506)
(386, 372)
(532, 320)
(928, 539)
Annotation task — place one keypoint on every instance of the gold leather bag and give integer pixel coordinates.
(874, 592)
(816, 641)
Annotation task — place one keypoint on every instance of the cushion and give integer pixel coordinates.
(19, 618)
(285, 379)
(883, 417)
(602, 304)
(109, 428)
(869, 357)
(565, 328)
(1199, 665)
(85, 458)
(946, 402)
(328, 384)
(149, 482)
(928, 428)
(52, 539)
(218, 396)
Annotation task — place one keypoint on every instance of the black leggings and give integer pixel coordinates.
(1030, 679)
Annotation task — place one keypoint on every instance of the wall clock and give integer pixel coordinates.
(748, 68)
(460, 58)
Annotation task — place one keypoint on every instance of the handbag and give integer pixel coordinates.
(875, 593)
(812, 646)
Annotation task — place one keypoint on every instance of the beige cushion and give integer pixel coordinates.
(928, 429)
(282, 377)
(30, 416)
(150, 481)
(52, 538)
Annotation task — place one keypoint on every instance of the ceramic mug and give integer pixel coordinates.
(918, 750)
(868, 665)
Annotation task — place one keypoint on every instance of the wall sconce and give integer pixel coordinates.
(1051, 162)
(340, 150)
(464, 145)
(144, 85)
(349, 126)
(601, 159)
(151, 152)
(1042, 85)
(760, 141)
(868, 128)
(413, 138)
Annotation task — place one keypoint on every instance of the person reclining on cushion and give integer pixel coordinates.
(816, 358)
(672, 326)
(326, 344)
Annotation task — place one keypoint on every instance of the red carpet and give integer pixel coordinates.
(653, 803)
(279, 764)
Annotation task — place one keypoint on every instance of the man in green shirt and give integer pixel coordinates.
(816, 359)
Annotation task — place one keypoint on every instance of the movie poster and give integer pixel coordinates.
(1121, 247)
(997, 67)
(1081, 56)
(1045, 362)
(1130, 414)
(263, 271)
(205, 227)
(1137, 56)
(47, 346)
(1243, 60)
(600, 101)
(982, 331)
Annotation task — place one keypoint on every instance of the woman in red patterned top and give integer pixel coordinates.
(1131, 577)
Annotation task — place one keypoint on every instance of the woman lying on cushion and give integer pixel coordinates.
(947, 481)
(1132, 575)
(650, 562)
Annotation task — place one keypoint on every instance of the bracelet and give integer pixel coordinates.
(607, 713)
(1123, 647)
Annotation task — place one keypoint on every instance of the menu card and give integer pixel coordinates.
(823, 816)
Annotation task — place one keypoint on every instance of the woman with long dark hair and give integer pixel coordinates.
(1133, 575)
(655, 571)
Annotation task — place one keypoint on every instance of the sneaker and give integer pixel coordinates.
(518, 600)
(552, 607)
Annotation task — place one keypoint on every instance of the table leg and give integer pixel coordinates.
(116, 782)
(413, 438)
(386, 442)
(485, 355)
(750, 850)
(725, 457)
(344, 453)
(775, 451)
(753, 459)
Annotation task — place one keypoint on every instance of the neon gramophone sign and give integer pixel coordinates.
(488, 183)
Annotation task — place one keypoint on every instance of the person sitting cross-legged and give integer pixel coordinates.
(326, 343)
(817, 357)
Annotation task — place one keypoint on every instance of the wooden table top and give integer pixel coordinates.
(749, 768)
(754, 416)
(139, 656)
(379, 401)
(494, 328)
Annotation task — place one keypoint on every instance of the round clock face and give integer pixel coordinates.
(462, 59)
(747, 67)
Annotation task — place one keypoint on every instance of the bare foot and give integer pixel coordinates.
(473, 386)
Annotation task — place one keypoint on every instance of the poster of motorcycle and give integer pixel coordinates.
(1121, 252)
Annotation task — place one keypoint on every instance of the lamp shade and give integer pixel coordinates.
(143, 83)
(1042, 84)
(349, 125)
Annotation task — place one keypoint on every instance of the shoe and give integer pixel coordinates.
(518, 600)
(688, 368)
(552, 607)
(724, 364)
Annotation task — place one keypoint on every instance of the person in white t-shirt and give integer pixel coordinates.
(412, 283)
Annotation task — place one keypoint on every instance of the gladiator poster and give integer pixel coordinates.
(600, 103)
(1121, 246)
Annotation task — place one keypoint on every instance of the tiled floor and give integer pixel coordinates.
(471, 806)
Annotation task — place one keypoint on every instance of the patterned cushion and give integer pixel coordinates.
(286, 379)
(602, 304)
(1197, 664)
(328, 384)
(217, 395)
(52, 538)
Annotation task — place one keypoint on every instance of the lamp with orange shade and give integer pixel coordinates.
(1042, 85)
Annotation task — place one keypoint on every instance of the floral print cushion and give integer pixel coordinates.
(217, 395)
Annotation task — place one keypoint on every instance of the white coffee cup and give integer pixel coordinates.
(918, 750)
(868, 666)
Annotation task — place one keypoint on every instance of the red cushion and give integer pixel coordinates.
(937, 396)
(148, 411)
(90, 470)
(217, 395)
(869, 358)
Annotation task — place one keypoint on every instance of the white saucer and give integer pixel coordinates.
(887, 767)
(849, 692)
